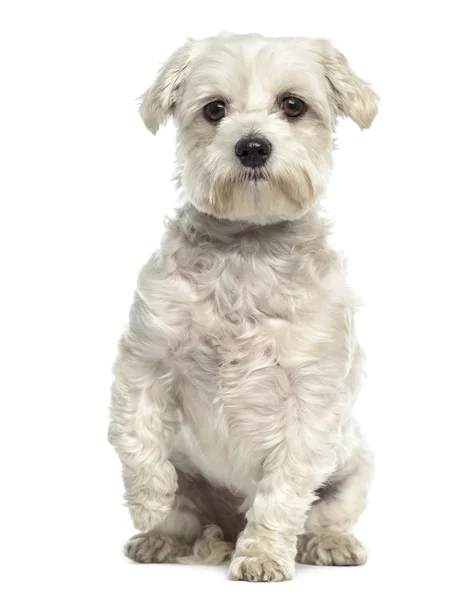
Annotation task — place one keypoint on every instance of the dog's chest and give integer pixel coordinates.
(244, 310)
(249, 333)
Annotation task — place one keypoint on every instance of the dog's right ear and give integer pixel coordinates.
(159, 102)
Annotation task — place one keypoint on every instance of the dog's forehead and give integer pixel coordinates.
(249, 72)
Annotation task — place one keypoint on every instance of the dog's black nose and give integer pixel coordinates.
(253, 151)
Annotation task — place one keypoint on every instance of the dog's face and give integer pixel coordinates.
(255, 120)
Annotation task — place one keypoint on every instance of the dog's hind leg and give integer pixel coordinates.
(201, 528)
(158, 546)
(168, 542)
(327, 540)
(210, 548)
(143, 424)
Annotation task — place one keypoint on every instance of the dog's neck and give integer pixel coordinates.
(197, 225)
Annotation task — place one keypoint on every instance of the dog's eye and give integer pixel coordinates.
(293, 107)
(215, 111)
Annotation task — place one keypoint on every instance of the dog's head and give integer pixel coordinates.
(255, 119)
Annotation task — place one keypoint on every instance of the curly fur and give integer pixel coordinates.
(235, 379)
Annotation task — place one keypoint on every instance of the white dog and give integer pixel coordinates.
(235, 380)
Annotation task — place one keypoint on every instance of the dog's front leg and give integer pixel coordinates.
(141, 430)
(291, 474)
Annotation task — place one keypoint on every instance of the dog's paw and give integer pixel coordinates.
(260, 568)
(155, 548)
(331, 548)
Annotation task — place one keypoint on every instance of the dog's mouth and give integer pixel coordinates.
(255, 174)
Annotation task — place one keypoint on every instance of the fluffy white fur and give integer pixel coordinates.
(236, 377)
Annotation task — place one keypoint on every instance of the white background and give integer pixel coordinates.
(84, 188)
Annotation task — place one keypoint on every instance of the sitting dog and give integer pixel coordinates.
(235, 379)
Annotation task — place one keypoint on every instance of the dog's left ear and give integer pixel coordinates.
(159, 102)
(350, 95)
